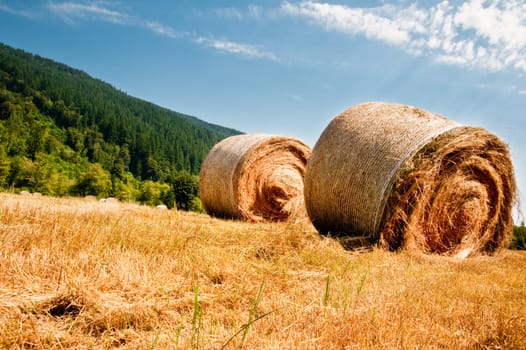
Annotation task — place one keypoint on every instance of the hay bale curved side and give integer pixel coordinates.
(410, 178)
(255, 177)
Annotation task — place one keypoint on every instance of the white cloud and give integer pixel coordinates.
(486, 34)
(251, 12)
(12, 11)
(93, 10)
(164, 30)
(235, 48)
(349, 20)
(501, 22)
(101, 11)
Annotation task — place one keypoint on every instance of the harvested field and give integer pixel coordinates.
(82, 274)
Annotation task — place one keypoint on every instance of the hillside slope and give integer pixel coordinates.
(60, 117)
(73, 99)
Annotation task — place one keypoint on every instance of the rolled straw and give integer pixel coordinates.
(255, 177)
(413, 179)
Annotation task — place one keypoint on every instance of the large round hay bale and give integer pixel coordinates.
(255, 177)
(412, 179)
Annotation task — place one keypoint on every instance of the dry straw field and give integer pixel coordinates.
(77, 273)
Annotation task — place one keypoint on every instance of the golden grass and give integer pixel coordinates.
(85, 274)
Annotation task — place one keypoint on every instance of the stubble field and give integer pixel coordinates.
(79, 273)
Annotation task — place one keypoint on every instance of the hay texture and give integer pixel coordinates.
(255, 177)
(409, 178)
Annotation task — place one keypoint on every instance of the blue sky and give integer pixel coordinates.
(289, 67)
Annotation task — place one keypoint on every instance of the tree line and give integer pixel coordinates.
(63, 132)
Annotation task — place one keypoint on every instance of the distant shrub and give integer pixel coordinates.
(94, 181)
(152, 193)
(196, 205)
(185, 187)
(519, 238)
(126, 191)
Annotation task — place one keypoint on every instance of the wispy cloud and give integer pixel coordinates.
(96, 10)
(163, 30)
(251, 12)
(109, 12)
(488, 34)
(16, 12)
(236, 48)
(350, 20)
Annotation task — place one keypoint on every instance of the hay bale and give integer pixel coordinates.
(255, 177)
(410, 178)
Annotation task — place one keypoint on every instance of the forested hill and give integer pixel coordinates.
(65, 123)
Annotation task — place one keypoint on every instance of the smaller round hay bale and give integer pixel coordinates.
(413, 179)
(255, 177)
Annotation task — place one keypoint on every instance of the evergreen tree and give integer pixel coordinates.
(63, 132)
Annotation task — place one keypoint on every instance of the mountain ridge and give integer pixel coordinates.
(51, 111)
